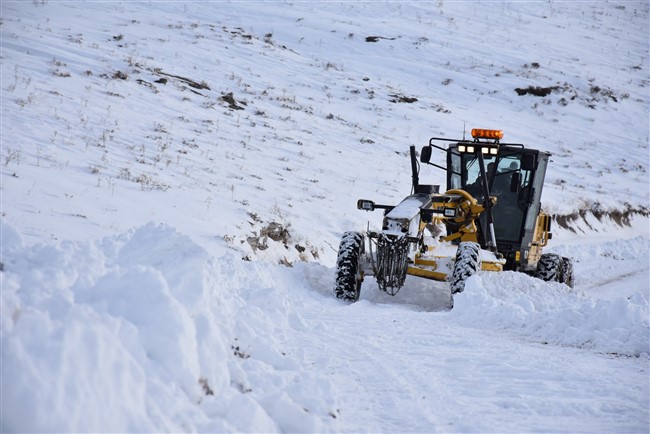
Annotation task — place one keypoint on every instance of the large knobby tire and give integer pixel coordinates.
(348, 268)
(467, 264)
(555, 268)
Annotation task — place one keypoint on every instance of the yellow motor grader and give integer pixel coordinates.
(488, 219)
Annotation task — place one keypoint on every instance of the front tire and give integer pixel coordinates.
(348, 267)
(467, 264)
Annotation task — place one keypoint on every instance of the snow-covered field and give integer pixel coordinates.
(147, 148)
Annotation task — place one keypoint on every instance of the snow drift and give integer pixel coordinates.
(139, 332)
(552, 313)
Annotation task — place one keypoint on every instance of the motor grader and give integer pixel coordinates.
(489, 219)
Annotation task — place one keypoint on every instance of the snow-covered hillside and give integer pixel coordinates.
(105, 101)
(147, 148)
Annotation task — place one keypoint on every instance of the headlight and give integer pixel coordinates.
(366, 205)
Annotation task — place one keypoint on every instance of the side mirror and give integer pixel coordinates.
(528, 162)
(514, 182)
(425, 155)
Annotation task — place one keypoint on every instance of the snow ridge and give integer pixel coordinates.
(549, 313)
(145, 331)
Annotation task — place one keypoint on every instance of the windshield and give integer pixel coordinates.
(511, 192)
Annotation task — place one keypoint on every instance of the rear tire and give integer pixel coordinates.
(348, 268)
(555, 268)
(467, 264)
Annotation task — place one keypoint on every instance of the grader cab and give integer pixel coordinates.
(490, 212)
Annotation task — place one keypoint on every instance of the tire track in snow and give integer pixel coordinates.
(394, 369)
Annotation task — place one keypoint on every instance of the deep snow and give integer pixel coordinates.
(128, 203)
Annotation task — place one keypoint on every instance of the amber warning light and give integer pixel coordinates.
(480, 133)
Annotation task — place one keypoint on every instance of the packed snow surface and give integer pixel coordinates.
(176, 177)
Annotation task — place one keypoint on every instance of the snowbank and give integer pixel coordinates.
(553, 313)
(142, 332)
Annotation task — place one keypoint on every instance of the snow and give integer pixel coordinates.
(121, 334)
(167, 251)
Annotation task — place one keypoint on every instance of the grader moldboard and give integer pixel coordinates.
(491, 212)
